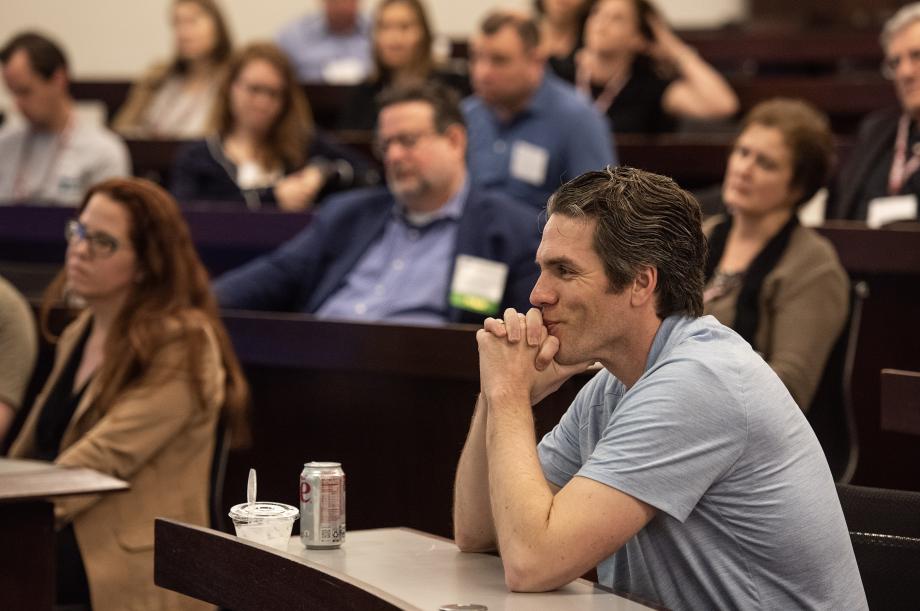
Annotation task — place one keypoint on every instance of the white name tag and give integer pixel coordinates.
(884, 210)
(345, 71)
(478, 284)
(528, 162)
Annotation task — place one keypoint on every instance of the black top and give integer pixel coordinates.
(360, 110)
(876, 183)
(201, 172)
(60, 406)
(638, 107)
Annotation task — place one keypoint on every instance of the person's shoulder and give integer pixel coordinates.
(195, 155)
(578, 116)
(500, 205)
(298, 29)
(710, 223)
(156, 75)
(697, 339)
(879, 120)
(99, 137)
(194, 149)
(356, 202)
(472, 104)
(185, 326)
(701, 358)
(807, 244)
(563, 94)
(12, 303)
(363, 27)
(12, 132)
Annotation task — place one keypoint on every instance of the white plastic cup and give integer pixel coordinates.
(270, 524)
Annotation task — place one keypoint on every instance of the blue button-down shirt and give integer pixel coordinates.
(312, 47)
(575, 137)
(403, 276)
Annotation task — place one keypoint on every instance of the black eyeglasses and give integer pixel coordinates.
(890, 64)
(100, 244)
(407, 141)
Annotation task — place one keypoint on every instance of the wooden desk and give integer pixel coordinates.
(888, 260)
(901, 401)
(27, 526)
(846, 100)
(392, 568)
(225, 236)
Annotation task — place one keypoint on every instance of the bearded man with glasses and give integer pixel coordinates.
(428, 248)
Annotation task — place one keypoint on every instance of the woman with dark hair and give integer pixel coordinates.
(778, 284)
(264, 149)
(402, 41)
(627, 48)
(562, 26)
(139, 381)
(173, 100)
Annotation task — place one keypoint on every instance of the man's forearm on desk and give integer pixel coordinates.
(474, 528)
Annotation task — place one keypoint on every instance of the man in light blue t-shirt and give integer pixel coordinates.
(683, 470)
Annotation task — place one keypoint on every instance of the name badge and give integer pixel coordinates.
(884, 210)
(528, 162)
(478, 284)
(344, 71)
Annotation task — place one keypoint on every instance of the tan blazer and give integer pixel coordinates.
(804, 302)
(158, 437)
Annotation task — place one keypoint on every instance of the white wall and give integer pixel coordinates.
(118, 38)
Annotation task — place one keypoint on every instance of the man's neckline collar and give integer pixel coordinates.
(452, 209)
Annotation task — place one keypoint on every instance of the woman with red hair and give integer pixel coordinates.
(139, 381)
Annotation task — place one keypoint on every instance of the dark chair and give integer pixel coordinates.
(884, 528)
(218, 513)
(831, 412)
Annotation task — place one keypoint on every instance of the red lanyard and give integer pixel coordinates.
(19, 186)
(901, 167)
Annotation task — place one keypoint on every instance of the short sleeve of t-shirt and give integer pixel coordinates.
(655, 441)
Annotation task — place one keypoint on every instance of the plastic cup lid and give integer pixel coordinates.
(244, 512)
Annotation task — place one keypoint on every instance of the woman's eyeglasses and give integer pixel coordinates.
(100, 244)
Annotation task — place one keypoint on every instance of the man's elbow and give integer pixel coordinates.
(471, 542)
(530, 577)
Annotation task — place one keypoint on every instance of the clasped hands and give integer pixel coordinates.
(517, 357)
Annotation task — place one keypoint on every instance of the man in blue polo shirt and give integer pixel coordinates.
(331, 46)
(529, 130)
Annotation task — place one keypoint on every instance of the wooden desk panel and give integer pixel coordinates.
(27, 526)
(225, 236)
(394, 568)
(901, 401)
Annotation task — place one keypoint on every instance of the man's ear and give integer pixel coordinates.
(456, 135)
(59, 79)
(644, 285)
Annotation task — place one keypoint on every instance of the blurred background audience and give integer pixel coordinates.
(174, 99)
(264, 148)
(402, 40)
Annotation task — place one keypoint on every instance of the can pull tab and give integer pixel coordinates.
(251, 487)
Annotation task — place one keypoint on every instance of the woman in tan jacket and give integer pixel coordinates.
(138, 383)
(778, 284)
